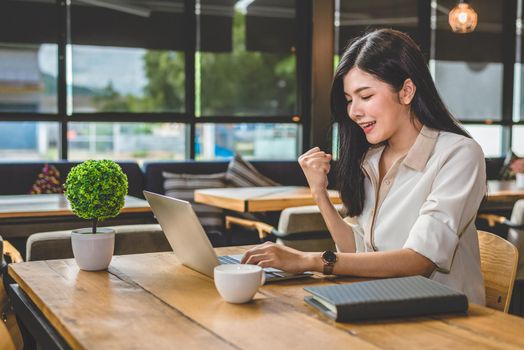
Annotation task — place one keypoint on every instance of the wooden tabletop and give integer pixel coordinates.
(504, 190)
(31, 205)
(150, 301)
(257, 199)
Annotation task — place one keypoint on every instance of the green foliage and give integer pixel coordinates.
(96, 189)
(244, 82)
(165, 90)
(165, 87)
(234, 83)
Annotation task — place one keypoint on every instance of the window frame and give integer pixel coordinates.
(189, 118)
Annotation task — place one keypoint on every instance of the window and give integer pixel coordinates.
(127, 62)
(489, 138)
(518, 140)
(207, 78)
(28, 56)
(133, 79)
(246, 63)
(125, 141)
(260, 141)
(468, 71)
(28, 140)
(468, 68)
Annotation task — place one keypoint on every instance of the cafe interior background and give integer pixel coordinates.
(182, 80)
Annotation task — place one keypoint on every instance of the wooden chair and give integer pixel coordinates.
(6, 343)
(498, 263)
(9, 331)
(302, 228)
(12, 253)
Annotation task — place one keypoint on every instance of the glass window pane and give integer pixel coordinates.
(28, 56)
(126, 141)
(518, 140)
(471, 91)
(355, 17)
(246, 63)
(489, 137)
(132, 60)
(468, 68)
(29, 141)
(252, 141)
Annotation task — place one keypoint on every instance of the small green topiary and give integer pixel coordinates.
(96, 190)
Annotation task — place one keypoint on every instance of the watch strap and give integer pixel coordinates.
(329, 264)
(328, 268)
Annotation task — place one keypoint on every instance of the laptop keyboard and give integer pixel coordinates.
(226, 259)
(270, 272)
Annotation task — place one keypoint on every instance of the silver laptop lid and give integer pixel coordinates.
(184, 232)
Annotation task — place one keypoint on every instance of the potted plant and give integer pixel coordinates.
(96, 190)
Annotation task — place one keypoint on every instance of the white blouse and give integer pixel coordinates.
(428, 202)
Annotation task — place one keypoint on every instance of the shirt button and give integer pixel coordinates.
(388, 182)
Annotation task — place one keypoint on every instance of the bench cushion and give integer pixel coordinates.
(129, 239)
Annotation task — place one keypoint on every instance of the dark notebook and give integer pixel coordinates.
(385, 298)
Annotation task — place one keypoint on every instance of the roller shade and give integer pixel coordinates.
(271, 26)
(216, 25)
(137, 24)
(360, 16)
(28, 22)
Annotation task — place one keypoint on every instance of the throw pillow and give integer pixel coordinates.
(183, 186)
(241, 173)
(48, 181)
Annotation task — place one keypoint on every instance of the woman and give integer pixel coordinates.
(410, 177)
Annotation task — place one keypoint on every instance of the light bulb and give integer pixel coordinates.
(462, 18)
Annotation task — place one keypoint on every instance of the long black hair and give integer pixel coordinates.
(392, 57)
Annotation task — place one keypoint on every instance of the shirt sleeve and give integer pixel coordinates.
(458, 189)
(358, 233)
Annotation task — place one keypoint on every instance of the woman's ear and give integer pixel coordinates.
(407, 92)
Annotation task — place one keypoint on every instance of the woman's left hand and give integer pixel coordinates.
(280, 257)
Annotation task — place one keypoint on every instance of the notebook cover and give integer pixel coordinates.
(386, 298)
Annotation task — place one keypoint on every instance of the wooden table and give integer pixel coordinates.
(30, 205)
(258, 199)
(502, 195)
(23, 215)
(504, 190)
(150, 301)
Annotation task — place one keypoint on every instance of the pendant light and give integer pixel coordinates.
(463, 18)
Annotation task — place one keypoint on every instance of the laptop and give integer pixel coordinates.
(189, 240)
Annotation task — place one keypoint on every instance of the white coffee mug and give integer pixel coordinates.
(238, 283)
(520, 180)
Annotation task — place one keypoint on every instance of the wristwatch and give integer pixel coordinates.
(329, 259)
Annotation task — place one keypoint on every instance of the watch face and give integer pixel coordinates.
(329, 256)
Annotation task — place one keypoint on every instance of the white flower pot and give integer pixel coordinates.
(93, 252)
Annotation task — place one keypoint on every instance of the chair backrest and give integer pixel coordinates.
(498, 263)
(129, 239)
(516, 236)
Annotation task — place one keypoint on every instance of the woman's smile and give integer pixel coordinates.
(367, 126)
